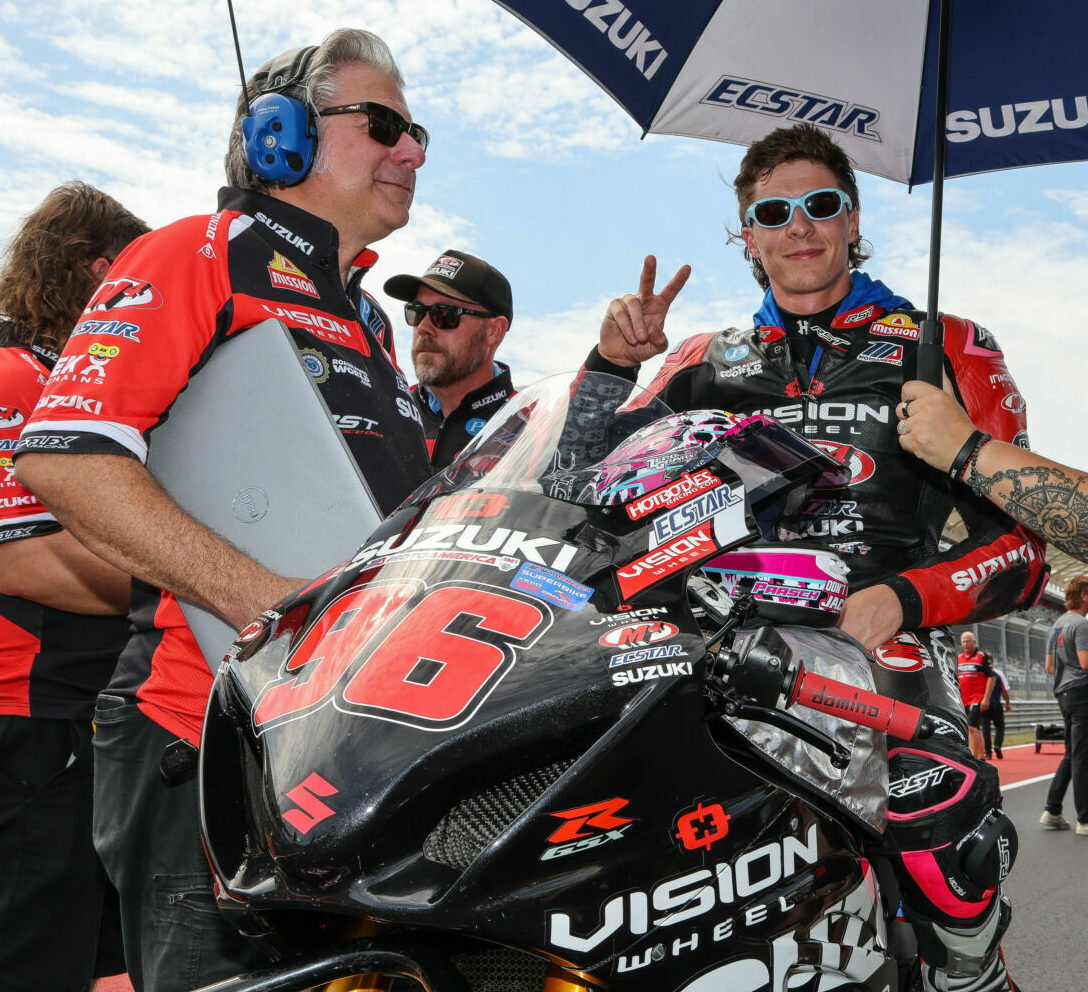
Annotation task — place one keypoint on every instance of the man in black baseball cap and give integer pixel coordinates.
(459, 311)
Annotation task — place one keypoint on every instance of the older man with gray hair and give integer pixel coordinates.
(322, 164)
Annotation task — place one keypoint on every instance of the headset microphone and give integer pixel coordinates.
(279, 133)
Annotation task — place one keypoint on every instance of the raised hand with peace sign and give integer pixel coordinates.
(633, 328)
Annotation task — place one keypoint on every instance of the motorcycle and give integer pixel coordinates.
(539, 732)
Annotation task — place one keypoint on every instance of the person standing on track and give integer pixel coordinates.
(977, 681)
(1067, 660)
(828, 355)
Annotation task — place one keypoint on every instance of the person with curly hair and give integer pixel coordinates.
(62, 623)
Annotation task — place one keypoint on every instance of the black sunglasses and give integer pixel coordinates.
(383, 124)
(444, 316)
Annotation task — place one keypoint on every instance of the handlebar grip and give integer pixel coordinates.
(848, 702)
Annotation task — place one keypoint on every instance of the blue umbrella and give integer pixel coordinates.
(1011, 80)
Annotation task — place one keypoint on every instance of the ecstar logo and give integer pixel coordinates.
(772, 100)
(701, 508)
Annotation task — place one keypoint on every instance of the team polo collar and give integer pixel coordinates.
(863, 292)
(500, 386)
(314, 242)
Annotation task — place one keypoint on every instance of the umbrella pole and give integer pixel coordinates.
(931, 347)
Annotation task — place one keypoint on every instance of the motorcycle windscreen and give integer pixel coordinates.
(597, 440)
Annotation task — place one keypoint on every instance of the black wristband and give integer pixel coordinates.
(967, 453)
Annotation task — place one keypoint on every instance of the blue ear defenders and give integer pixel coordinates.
(280, 133)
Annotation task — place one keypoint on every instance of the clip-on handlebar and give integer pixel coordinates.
(752, 683)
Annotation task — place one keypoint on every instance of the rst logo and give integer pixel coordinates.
(125, 293)
(638, 635)
(772, 100)
(633, 39)
(10, 416)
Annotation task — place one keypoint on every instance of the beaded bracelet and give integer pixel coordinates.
(967, 454)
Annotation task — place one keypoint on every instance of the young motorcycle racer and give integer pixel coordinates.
(828, 355)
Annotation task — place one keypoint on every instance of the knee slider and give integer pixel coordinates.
(986, 855)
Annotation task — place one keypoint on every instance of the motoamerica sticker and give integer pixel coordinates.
(551, 586)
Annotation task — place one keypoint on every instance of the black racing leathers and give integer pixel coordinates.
(887, 522)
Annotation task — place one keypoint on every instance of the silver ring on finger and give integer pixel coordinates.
(903, 427)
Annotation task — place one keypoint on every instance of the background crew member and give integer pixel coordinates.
(828, 355)
(62, 622)
(291, 235)
(977, 681)
(1067, 661)
(993, 716)
(453, 347)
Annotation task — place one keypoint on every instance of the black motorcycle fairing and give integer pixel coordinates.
(468, 728)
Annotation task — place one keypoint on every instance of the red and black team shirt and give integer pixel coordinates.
(52, 663)
(975, 670)
(168, 301)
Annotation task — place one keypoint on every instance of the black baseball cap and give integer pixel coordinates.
(462, 276)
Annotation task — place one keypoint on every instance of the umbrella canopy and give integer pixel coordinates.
(866, 70)
(1010, 76)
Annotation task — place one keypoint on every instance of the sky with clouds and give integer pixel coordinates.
(532, 167)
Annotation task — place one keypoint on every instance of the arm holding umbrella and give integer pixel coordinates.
(1048, 497)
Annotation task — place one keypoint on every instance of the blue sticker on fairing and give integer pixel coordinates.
(551, 586)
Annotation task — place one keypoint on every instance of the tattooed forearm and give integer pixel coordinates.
(1049, 501)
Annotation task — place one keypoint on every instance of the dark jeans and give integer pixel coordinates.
(148, 835)
(1074, 766)
(58, 911)
(994, 715)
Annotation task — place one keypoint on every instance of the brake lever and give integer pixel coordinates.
(738, 706)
